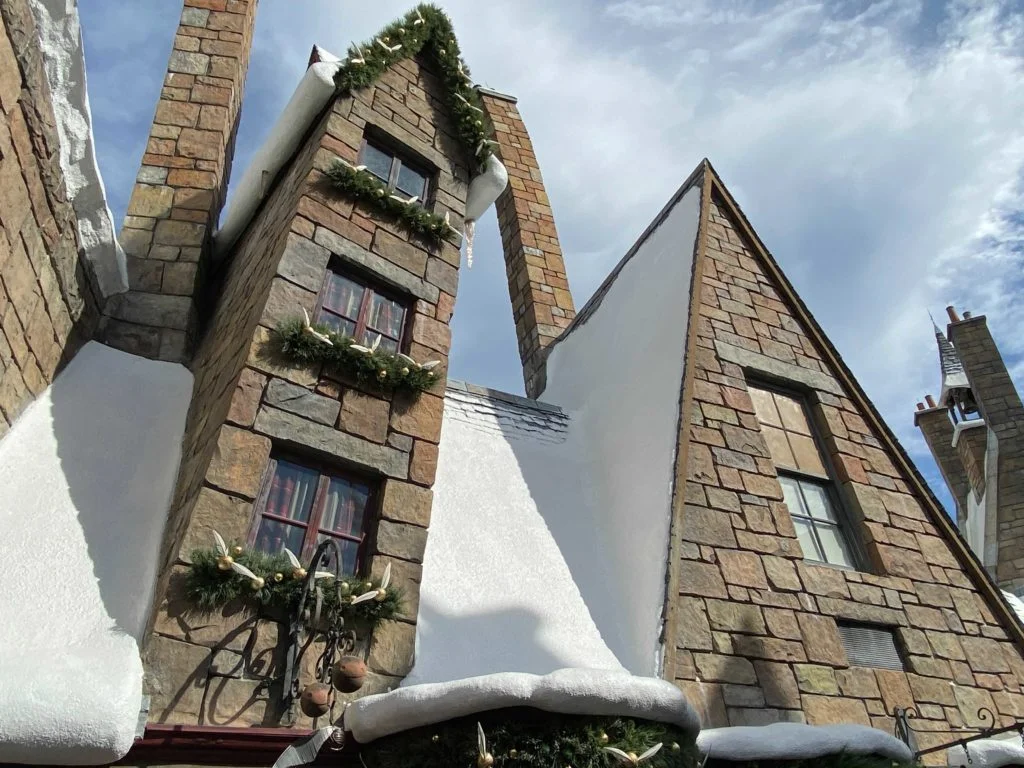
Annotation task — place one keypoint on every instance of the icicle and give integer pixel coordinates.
(469, 231)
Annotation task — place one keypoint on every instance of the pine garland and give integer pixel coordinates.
(379, 370)
(366, 188)
(530, 738)
(208, 588)
(425, 27)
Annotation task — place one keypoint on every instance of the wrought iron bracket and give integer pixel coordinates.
(905, 731)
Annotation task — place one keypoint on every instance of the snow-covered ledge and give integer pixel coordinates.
(64, 59)
(796, 741)
(86, 479)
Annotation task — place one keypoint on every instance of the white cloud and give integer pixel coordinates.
(877, 148)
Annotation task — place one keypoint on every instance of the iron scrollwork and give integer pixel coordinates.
(985, 717)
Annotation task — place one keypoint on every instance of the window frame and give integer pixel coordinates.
(326, 471)
(398, 160)
(370, 288)
(828, 482)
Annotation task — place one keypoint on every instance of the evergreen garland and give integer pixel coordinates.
(363, 186)
(208, 588)
(379, 370)
(425, 27)
(530, 738)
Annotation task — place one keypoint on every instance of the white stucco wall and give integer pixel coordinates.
(86, 478)
(64, 60)
(619, 377)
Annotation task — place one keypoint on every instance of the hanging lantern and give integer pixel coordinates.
(315, 700)
(348, 674)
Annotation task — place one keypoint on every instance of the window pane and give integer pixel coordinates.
(836, 551)
(291, 491)
(377, 162)
(337, 324)
(808, 459)
(807, 543)
(764, 407)
(345, 507)
(349, 555)
(778, 446)
(274, 535)
(791, 494)
(817, 501)
(386, 316)
(343, 296)
(792, 412)
(411, 182)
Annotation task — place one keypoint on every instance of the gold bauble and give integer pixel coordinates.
(441, 51)
(278, 577)
(381, 594)
(344, 587)
(380, 193)
(513, 753)
(486, 760)
(478, 124)
(405, 371)
(299, 574)
(257, 583)
(632, 757)
(602, 737)
(674, 746)
(382, 374)
(435, 738)
(401, 30)
(236, 551)
(368, 585)
(387, 40)
(224, 562)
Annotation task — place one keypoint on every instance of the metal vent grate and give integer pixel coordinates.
(868, 646)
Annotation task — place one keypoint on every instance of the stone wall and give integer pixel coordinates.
(937, 429)
(542, 306)
(48, 306)
(248, 400)
(1001, 407)
(181, 185)
(753, 636)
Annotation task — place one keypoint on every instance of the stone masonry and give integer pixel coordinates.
(937, 429)
(752, 632)
(542, 306)
(248, 400)
(1001, 407)
(48, 304)
(180, 187)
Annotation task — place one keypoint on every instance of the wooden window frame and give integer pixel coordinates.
(371, 287)
(827, 482)
(326, 471)
(398, 159)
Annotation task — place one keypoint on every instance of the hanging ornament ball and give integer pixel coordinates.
(441, 51)
(486, 760)
(224, 562)
(348, 674)
(344, 587)
(382, 374)
(435, 738)
(401, 30)
(257, 583)
(478, 124)
(381, 594)
(387, 39)
(299, 574)
(602, 737)
(675, 746)
(513, 753)
(632, 757)
(430, 374)
(278, 577)
(315, 700)
(236, 551)
(368, 585)
(405, 371)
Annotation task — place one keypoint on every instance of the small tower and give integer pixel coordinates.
(975, 435)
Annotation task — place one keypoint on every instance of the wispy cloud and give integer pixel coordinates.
(876, 146)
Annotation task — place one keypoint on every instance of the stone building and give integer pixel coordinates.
(695, 491)
(974, 433)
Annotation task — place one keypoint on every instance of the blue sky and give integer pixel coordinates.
(877, 148)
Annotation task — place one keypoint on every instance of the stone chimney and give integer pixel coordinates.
(937, 430)
(181, 185)
(541, 303)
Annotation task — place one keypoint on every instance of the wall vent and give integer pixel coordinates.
(870, 646)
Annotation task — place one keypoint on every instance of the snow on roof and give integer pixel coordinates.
(64, 60)
(796, 741)
(988, 753)
(549, 533)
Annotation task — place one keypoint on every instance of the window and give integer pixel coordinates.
(808, 490)
(401, 177)
(302, 504)
(352, 307)
(869, 646)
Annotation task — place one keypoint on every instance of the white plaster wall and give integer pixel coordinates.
(619, 377)
(86, 478)
(496, 594)
(64, 60)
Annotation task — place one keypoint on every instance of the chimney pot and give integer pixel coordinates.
(953, 316)
(930, 400)
(967, 315)
(920, 406)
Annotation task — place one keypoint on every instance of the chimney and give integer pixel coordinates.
(181, 185)
(541, 303)
(937, 430)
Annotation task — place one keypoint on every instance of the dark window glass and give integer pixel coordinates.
(401, 177)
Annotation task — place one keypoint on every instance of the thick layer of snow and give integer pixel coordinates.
(86, 477)
(795, 741)
(1015, 603)
(64, 60)
(619, 377)
(568, 691)
(496, 594)
(988, 753)
(313, 93)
